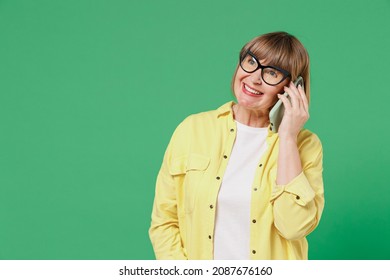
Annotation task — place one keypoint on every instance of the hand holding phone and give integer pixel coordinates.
(276, 113)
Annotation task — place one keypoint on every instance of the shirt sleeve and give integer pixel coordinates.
(164, 231)
(298, 205)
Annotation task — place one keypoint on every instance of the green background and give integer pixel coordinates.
(91, 91)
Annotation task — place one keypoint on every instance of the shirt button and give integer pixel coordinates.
(218, 178)
(255, 189)
(297, 197)
(253, 252)
(209, 236)
(225, 156)
(260, 165)
(254, 221)
(232, 130)
(211, 206)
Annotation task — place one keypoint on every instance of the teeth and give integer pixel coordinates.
(252, 90)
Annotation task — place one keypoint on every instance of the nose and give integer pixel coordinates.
(256, 77)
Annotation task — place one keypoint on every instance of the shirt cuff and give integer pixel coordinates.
(299, 186)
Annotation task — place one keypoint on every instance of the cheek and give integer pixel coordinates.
(273, 94)
(277, 90)
(274, 100)
(236, 84)
(282, 85)
(239, 78)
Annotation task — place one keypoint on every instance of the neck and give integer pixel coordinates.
(250, 117)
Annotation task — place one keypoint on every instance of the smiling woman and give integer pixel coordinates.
(231, 188)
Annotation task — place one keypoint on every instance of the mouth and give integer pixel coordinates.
(250, 91)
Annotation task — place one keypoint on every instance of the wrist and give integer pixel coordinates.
(288, 138)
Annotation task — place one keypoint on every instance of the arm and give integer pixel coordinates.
(298, 193)
(164, 230)
(295, 116)
(298, 203)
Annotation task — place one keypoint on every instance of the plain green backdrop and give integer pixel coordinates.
(91, 91)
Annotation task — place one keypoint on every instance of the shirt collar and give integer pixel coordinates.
(226, 109)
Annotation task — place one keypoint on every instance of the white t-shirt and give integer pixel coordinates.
(231, 234)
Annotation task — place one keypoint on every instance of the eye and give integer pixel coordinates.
(251, 61)
(272, 73)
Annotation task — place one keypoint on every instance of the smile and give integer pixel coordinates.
(251, 90)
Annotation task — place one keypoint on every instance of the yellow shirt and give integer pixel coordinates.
(187, 187)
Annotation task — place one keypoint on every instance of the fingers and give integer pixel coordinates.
(298, 97)
(286, 102)
(294, 95)
(305, 102)
(296, 110)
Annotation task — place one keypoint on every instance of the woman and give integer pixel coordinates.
(231, 188)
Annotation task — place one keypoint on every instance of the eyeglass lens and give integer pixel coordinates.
(269, 74)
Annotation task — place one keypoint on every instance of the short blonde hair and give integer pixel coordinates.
(282, 50)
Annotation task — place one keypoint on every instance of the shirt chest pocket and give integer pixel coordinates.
(191, 170)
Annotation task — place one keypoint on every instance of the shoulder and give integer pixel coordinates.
(206, 119)
(200, 118)
(196, 130)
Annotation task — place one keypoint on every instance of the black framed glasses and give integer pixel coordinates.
(271, 75)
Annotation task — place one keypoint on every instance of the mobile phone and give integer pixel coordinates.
(276, 113)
